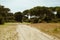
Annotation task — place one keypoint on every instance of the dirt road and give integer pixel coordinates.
(29, 33)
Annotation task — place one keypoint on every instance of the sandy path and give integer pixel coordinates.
(29, 33)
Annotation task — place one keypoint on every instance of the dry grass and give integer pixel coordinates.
(49, 28)
(8, 31)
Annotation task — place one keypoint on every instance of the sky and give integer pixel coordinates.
(21, 5)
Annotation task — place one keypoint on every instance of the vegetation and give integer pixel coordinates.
(18, 16)
(49, 28)
(37, 14)
(1, 20)
(43, 14)
(5, 16)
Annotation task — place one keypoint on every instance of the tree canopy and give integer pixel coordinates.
(36, 14)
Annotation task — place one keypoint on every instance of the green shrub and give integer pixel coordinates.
(1, 20)
(34, 20)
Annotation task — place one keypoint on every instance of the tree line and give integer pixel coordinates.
(38, 14)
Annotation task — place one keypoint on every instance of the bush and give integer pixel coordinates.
(34, 20)
(1, 20)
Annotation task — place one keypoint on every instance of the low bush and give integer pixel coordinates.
(1, 20)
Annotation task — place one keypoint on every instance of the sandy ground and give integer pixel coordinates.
(8, 33)
(23, 32)
(29, 33)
